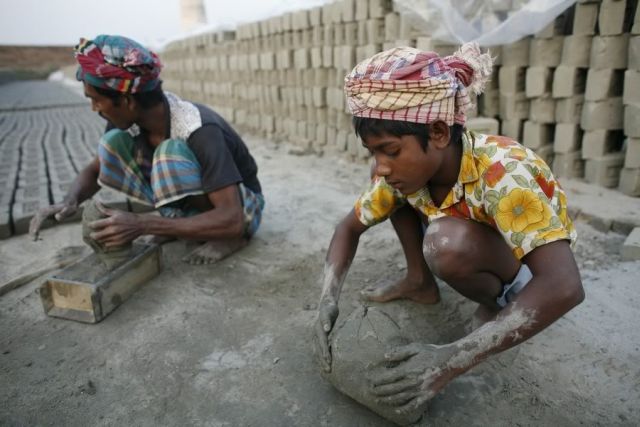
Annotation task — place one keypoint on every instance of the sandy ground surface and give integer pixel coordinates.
(230, 344)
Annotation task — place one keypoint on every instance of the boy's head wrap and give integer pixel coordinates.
(407, 84)
(117, 63)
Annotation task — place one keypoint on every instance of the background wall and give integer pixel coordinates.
(571, 92)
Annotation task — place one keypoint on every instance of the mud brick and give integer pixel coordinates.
(426, 44)
(347, 57)
(516, 54)
(567, 138)
(631, 91)
(545, 52)
(630, 182)
(631, 248)
(512, 128)
(538, 81)
(632, 120)
(610, 52)
(32, 192)
(512, 79)
(632, 156)
(348, 10)
(568, 81)
(29, 179)
(605, 170)
(489, 103)
(514, 106)
(542, 110)
(576, 51)
(5, 223)
(569, 110)
(485, 125)
(585, 18)
(597, 143)
(362, 10)
(611, 18)
(545, 153)
(374, 31)
(342, 138)
(379, 8)
(537, 135)
(87, 291)
(634, 53)
(367, 51)
(112, 199)
(568, 165)
(315, 16)
(606, 114)
(603, 84)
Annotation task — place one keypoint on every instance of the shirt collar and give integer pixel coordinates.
(468, 173)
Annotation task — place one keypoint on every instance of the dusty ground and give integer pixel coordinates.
(230, 344)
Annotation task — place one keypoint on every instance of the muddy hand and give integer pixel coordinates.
(60, 211)
(327, 315)
(419, 371)
(117, 228)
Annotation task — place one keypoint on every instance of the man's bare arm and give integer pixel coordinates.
(83, 187)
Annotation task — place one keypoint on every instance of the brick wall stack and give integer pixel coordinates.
(571, 92)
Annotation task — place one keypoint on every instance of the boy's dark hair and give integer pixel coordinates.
(146, 100)
(365, 126)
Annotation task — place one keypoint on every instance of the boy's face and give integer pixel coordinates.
(402, 161)
(120, 115)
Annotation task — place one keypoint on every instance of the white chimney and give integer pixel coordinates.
(192, 14)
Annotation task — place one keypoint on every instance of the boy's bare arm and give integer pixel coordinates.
(424, 369)
(339, 257)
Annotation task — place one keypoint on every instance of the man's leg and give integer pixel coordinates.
(419, 284)
(472, 258)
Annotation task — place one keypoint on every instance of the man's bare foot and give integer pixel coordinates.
(418, 291)
(214, 251)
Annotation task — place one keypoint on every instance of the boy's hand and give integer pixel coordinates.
(419, 371)
(60, 211)
(327, 315)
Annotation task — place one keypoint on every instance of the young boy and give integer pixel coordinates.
(179, 157)
(496, 221)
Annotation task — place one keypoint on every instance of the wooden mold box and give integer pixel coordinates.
(87, 291)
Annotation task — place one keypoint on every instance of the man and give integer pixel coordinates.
(178, 157)
(496, 221)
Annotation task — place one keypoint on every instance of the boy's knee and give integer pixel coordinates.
(445, 247)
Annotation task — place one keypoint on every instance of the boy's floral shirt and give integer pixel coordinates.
(501, 183)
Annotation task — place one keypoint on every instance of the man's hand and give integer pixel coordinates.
(327, 315)
(418, 372)
(117, 229)
(60, 211)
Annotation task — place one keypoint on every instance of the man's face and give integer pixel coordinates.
(119, 115)
(402, 161)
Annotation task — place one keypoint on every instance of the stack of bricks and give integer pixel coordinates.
(630, 174)
(569, 92)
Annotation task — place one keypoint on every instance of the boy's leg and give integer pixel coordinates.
(419, 284)
(472, 258)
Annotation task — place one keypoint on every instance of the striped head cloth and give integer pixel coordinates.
(117, 63)
(410, 85)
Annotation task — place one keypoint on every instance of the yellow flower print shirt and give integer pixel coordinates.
(501, 183)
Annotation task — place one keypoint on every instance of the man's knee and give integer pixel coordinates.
(446, 247)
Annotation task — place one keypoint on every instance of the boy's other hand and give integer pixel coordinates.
(327, 315)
